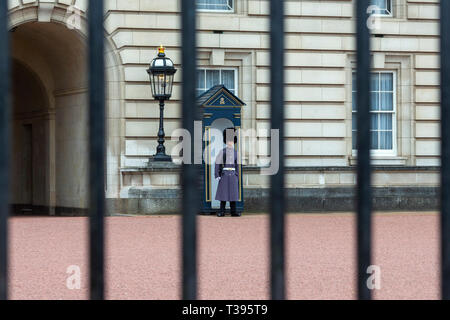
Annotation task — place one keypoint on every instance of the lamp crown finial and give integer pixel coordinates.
(161, 50)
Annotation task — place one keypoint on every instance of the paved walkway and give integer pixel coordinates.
(143, 257)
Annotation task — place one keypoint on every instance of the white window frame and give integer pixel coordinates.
(232, 10)
(236, 76)
(393, 151)
(390, 11)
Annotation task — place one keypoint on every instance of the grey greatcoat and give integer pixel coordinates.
(228, 189)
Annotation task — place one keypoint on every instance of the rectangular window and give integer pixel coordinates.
(215, 5)
(208, 78)
(383, 111)
(384, 7)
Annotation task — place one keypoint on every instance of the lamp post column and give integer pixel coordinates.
(161, 149)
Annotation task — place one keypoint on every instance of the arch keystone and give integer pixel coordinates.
(45, 11)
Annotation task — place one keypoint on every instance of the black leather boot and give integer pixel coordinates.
(221, 213)
(234, 212)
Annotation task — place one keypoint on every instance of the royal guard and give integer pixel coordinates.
(227, 170)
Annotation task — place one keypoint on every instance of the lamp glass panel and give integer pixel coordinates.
(153, 80)
(156, 84)
(169, 83)
(161, 84)
(164, 88)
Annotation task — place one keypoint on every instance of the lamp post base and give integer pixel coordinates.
(161, 158)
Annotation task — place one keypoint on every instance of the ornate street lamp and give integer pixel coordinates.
(161, 74)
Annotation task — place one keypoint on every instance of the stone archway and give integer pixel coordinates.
(50, 65)
(50, 60)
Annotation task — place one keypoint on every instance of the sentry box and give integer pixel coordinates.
(221, 110)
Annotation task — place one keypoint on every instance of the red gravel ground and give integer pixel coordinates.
(143, 257)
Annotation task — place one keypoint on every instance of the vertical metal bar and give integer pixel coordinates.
(445, 127)
(277, 199)
(5, 146)
(364, 190)
(191, 195)
(96, 147)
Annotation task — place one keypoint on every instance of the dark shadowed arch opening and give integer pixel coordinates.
(50, 120)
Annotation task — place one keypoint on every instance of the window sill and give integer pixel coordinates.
(382, 161)
(216, 11)
(383, 15)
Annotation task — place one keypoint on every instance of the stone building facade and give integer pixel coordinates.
(50, 109)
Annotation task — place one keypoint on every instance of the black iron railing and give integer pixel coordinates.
(5, 110)
(97, 148)
(277, 199)
(190, 173)
(445, 148)
(364, 190)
